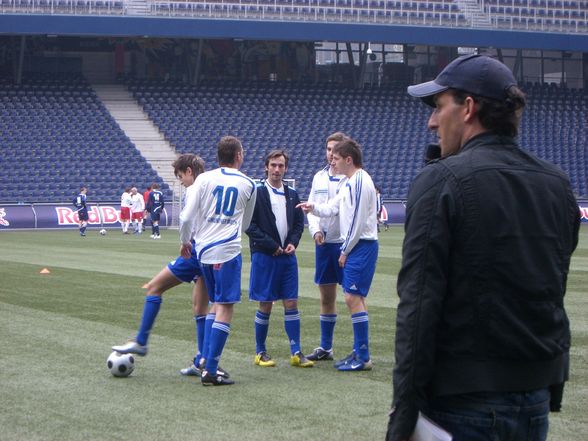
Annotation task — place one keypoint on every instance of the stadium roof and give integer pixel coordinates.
(132, 26)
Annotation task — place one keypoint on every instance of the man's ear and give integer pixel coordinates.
(471, 109)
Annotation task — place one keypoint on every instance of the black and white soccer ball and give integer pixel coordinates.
(102, 232)
(120, 365)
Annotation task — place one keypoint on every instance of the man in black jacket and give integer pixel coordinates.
(482, 336)
(274, 234)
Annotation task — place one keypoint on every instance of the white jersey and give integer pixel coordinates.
(218, 209)
(125, 200)
(137, 203)
(278, 201)
(356, 205)
(324, 188)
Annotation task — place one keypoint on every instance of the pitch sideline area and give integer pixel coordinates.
(56, 331)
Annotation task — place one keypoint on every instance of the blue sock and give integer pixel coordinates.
(361, 324)
(292, 326)
(218, 337)
(206, 340)
(153, 229)
(150, 311)
(200, 322)
(328, 322)
(261, 328)
(157, 230)
(83, 230)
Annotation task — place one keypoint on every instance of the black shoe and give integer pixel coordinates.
(215, 380)
(320, 354)
(219, 370)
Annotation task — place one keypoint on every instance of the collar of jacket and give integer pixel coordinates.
(488, 138)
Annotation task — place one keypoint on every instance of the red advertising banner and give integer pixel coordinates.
(57, 216)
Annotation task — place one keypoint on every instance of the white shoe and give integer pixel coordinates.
(152, 236)
(131, 347)
(157, 236)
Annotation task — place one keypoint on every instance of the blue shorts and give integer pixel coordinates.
(327, 270)
(223, 280)
(155, 216)
(186, 270)
(360, 267)
(83, 214)
(273, 278)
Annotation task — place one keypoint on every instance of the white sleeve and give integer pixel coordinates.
(189, 213)
(329, 208)
(248, 212)
(313, 221)
(361, 212)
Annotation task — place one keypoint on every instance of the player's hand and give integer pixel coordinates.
(306, 206)
(319, 238)
(186, 250)
(342, 260)
(290, 249)
(278, 252)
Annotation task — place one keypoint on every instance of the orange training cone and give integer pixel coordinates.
(44, 271)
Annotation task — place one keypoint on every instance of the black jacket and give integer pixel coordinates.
(489, 236)
(263, 233)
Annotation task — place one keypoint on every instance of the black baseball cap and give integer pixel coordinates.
(477, 74)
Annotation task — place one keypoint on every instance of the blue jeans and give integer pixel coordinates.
(494, 416)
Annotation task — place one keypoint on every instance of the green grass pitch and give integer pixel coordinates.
(56, 331)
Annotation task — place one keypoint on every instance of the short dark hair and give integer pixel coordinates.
(188, 161)
(154, 186)
(500, 117)
(276, 153)
(337, 136)
(228, 147)
(349, 147)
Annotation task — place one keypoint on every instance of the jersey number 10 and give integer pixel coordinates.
(225, 200)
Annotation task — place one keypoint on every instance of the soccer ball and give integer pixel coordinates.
(102, 232)
(120, 365)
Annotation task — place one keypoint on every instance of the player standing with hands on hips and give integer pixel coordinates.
(356, 206)
(220, 206)
(482, 336)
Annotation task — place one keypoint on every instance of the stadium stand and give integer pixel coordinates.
(387, 122)
(567, 16)
(57, 136)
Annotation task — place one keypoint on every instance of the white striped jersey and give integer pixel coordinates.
(218, 208)
(324, 188)
(356, 205)
(137, 203)
(125, 200)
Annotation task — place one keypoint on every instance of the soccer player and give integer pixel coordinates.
(137, 209)
(356, 205)
(186, 168)
(145, 200)
(81, 210)
(155, 204)
(274, 234)
(326, 235)
(125, 209)
(220, 206)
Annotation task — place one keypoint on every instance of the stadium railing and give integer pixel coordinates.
(532, 15)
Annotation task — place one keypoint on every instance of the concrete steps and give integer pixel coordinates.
(139, 128)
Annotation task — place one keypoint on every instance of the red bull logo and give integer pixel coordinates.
(3, 222)
(96, 215)
(584, 213)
